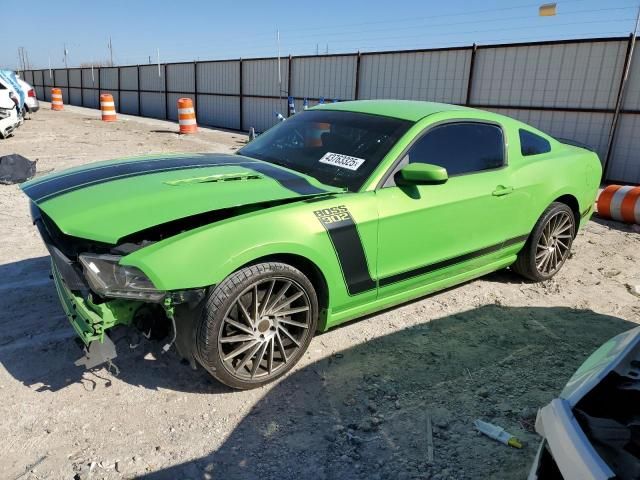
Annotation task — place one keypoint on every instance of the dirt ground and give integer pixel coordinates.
(356, 406)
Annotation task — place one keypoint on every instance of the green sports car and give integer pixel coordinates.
(339, 211)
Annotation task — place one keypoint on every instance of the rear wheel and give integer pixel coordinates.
(549, 244)
(257, 324)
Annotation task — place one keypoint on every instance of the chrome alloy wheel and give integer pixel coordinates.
(554, 243)
(265, 328)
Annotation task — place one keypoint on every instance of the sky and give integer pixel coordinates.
(205, 30)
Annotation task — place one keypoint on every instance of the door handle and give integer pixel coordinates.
(502, 190)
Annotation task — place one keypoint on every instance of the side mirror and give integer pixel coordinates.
(421, 174)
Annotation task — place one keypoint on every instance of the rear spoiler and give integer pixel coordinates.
(575, 143)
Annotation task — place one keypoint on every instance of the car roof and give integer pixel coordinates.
(411, 110)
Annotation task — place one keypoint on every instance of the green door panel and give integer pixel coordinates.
(424, 225)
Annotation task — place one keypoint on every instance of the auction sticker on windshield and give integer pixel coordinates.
(342, 161)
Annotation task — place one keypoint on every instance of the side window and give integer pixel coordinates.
(532, 144)
(461, 147)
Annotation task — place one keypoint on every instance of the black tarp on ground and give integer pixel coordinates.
(16, 169)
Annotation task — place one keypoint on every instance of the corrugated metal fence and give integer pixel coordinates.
(567, 88)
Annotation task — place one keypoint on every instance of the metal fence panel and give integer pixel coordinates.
(129, 103)
(129, 78)
(27, 76)
(219, 77)
(75, 96)
(260, 77)
(181, 78)
(624, 164)
(440, 76)
(149, 78)
(108, 79)
(219, 111)
(90, 98)
(60, 78)
(586, 127)
(570, 75)
(75, 77)
(38, 82)
(172, 104)
(331, 77)
(152, 104)
(258, 112)
(90, 77)
(632, 90)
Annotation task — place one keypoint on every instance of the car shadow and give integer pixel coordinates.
(364, 412)
(614, 224)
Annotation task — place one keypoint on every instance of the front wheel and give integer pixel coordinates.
(549, 244)
(256, 324)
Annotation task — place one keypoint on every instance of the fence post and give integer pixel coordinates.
(619, 99)
(166, 97)
(138, 88)
(119, 92)
(99, 74)
(472, 64)
(195, 90)
(82, 87)
(241, 99)
(68, 87)
(356, 93)
(289, 62)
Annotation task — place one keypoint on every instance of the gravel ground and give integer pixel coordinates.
(357, 405)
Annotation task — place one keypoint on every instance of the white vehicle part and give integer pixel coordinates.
(614, 355)
(571, 449)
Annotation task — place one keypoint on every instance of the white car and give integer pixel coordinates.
(9, 115)
(592, 431)
(31, 104)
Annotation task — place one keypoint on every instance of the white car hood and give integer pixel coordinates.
(614, 355)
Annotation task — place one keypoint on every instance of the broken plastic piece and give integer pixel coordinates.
(497, 433)
(97, 353)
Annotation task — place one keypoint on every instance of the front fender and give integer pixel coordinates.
(207, 255)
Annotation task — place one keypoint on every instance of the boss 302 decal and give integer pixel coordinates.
(346, 242)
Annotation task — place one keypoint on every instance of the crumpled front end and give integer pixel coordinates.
(94, 311)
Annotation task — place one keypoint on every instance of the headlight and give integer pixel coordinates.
(109, 279)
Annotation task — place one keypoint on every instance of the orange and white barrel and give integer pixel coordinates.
(620, 203)
(56, 99)
(314, 134)
(187, 116)
(107, 107)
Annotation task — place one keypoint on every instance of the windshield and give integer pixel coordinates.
(337, 148)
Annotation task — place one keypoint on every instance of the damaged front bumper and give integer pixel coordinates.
(91, 320)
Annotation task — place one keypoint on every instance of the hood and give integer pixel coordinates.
(107, 201)
(614, 355)
(9, 77)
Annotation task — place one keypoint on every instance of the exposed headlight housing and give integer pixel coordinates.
(108, 279)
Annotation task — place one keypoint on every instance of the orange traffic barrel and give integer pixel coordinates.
(620, 203)
(314, 135)
(107, 107)
(56, 99)
(187, 116)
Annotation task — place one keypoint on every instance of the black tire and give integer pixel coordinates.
(529, 263)
(274, 342)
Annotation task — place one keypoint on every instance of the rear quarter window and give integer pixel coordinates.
(532, 144)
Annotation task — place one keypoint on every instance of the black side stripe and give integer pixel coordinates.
(347, 244)
(399, 277)
(60, 185)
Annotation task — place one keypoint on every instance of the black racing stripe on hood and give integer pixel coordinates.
(49, 189)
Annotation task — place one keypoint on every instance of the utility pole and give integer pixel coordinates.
(110, 51)
(66, 52)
